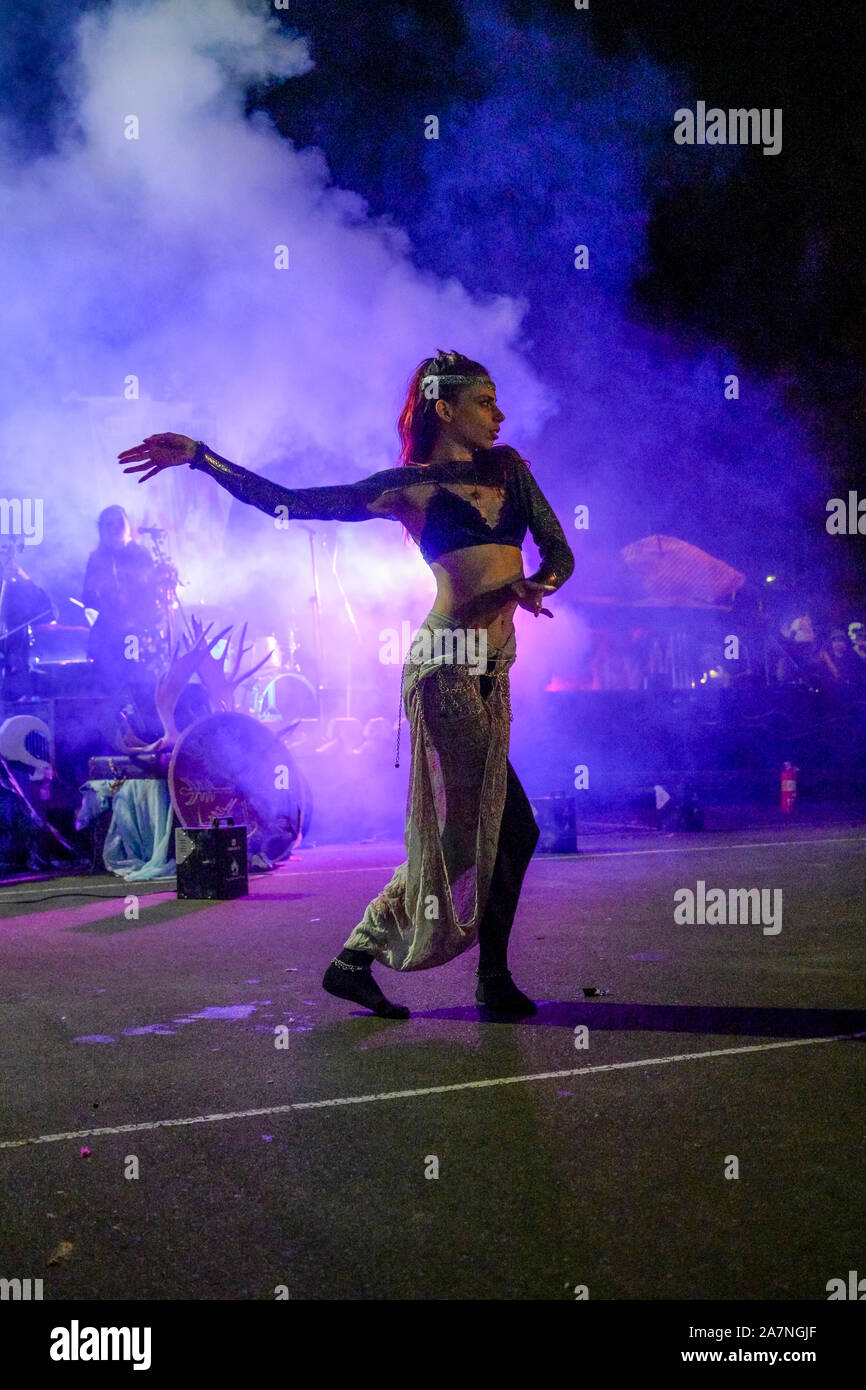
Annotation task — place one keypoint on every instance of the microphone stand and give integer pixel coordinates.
(315, 600)
(348, 607)
(163, 562)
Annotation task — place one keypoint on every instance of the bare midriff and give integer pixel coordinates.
(473, 587)
(473, 583)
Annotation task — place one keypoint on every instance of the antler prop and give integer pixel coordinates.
(220, 684)
(168, 688)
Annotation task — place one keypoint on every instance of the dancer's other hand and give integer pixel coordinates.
(158, 451)
(530, 596)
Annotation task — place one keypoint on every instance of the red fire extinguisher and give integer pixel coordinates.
(789, 787)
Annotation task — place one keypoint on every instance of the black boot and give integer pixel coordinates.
(498, 993)
(349, 976)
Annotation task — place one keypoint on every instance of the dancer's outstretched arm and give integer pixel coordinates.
(335, 502)
(357, 501)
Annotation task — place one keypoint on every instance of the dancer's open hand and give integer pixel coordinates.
(158, 451)
(530, 596)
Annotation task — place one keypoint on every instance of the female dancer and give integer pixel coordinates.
(470, 832)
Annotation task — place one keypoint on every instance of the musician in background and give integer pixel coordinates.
(798, 655)
(21, 602)
(121, 584)
(842, 669)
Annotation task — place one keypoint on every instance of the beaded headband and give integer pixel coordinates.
(449, 379)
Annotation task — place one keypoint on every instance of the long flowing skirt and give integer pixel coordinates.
(431, 910)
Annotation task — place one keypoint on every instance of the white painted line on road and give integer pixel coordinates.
(608, 854)
(271, 1110)
(705, 849)
(615, 854)
(543, 858)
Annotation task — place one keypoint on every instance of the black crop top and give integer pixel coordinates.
(451, 522)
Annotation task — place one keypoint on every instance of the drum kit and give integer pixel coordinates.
(279, 693)
(231, 761)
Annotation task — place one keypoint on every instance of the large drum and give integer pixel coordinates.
(285, 697)
(232, 765)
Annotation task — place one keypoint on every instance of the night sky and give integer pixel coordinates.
(768, 258)
(763, 254)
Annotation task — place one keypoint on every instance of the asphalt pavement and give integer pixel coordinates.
(186, 1115)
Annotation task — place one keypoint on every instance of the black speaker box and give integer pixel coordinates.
(211, 861)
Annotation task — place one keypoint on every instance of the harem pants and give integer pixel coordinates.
(470, 831)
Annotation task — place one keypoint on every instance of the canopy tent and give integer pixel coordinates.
(656, 572)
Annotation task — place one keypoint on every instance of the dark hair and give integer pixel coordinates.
(112, 513)
(417, 423)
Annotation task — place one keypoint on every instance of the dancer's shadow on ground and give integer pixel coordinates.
(728, 1020)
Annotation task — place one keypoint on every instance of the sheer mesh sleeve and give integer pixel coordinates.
(557, 559)
(337, 502)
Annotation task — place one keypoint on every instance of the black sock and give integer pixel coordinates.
(497, 991)
(349, 976)
(492, 949)
(351, 957)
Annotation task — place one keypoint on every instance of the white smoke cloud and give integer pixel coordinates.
(154, 258)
